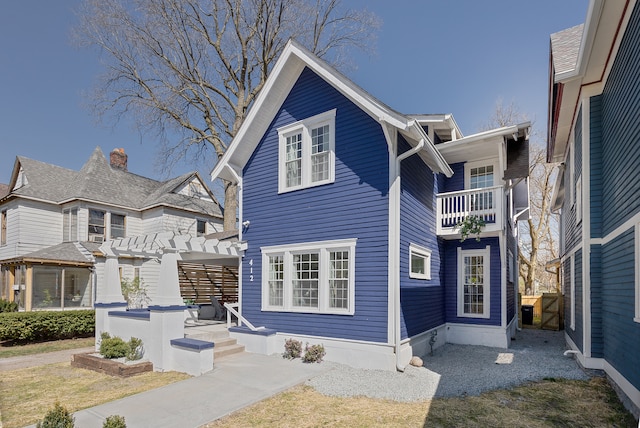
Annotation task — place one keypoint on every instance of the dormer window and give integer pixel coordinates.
(307, 153)
(201, 227)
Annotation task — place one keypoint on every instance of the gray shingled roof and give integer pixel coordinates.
(65, 252)
(4, 190)
(565, 46)
(98, 182)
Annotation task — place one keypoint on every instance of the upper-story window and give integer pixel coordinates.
(96, 225)
(480, 175)
(70, 225)
(307, 153)
(3, 228)
(201, 227)
(118, 226)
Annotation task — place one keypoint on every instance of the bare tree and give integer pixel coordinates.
(539, 235)
(188, 70)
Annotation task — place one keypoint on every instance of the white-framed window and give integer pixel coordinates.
(201, 227)
(481, 175)
(474, 283)
(96, 225)
(419, 262)
(3, 227)
(118, 226)
(307, 153)
(579, 199)
(572, 280)
(311, 277)
(70, 225)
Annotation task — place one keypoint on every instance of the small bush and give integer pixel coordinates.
(313, 354)
(7, 306)
(114, 421)
(112, 347)
(46, 325)
(58, 417)
(115, 347)
(292, 349)
(135, 349)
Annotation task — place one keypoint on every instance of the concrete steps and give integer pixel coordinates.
(224, 345)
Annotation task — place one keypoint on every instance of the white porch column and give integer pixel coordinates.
(112, 292)
(168, 291)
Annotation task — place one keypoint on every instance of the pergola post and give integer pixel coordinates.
(168, 291)
(113, 287)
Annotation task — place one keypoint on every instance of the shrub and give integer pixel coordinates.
(135, 293)
(112, 347)
(114, 421)
(313, 354)
(292, 349)
(115, 347)
(7, 306)
(135, 349)
(58, 417)
(46, 325)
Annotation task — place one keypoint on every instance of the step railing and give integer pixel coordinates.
(232, 309)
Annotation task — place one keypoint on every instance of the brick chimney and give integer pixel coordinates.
(118, 159)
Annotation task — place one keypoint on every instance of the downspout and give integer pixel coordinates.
(396, 250)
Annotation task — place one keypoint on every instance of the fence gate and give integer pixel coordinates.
(551, 311)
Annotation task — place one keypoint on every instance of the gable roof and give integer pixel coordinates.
(580, 56)
(98, 182)
(4, 190)
(285, 73)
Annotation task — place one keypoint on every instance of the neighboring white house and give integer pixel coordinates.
(53, 221)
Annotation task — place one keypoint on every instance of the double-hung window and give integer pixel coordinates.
(96, 225)
(307, 153)
(70, 224)
(313, 277)
(3, 227)
(118, 226)
(474, 283)
(480, 175)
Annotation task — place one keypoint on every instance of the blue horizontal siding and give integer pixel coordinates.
(421, 301)
(456, 181)
(595, 171)
(451, 281)
(621, 132)
(595, 278)
(354, 206)
(573, 229)
(621, 335)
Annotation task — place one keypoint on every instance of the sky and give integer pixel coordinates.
(432, 56)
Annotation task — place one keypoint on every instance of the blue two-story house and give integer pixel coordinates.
(349, 210)
(594, 130)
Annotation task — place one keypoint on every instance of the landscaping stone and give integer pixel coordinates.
(110, 367)
(416, 361)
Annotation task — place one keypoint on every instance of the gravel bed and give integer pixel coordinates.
(458, 370)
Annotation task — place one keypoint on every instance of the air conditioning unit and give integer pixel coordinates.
(96, 238)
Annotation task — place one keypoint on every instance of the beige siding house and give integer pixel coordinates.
(53, 221)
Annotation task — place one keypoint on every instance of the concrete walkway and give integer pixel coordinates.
(26, 361)
(234, 383)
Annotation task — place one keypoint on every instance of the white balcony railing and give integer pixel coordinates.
(453, 207)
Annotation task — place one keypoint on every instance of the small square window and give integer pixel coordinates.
(201, 228)
(419, 262)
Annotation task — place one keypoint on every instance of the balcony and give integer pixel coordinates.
(453, 207)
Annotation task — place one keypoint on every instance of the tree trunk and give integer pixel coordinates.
(230, 206)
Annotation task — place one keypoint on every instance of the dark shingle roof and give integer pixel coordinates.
(4, 190)
(97, 181)
(565, 47)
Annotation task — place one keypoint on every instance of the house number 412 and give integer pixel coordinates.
(251, 270)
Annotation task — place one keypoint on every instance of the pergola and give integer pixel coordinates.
(169, 248)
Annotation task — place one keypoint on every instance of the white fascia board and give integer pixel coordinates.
(283, 76)
(433, 158)
(457, 150)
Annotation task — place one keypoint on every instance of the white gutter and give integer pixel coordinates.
(394, 240)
